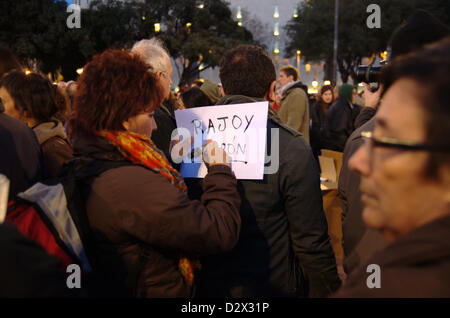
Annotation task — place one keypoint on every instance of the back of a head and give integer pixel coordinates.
(34, 95)
(115, 86)
(153, 52)
(420, 29)
(195, 97)
(8, 61)
(247, 70)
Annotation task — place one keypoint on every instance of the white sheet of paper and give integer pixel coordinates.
(240, 128)
(4, 192)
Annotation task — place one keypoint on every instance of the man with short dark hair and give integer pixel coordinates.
(284, 249)
(293, 109)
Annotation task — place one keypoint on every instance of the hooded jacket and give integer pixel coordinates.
(416, 265)
(283, 249)
(56, 150)
(294, 110)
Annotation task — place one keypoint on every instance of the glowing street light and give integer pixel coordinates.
(79, 71)
(157, 27)
(239, 14)
(327, 83)
(276, 31)
(276, 50)
(276, 14)
(315, 84)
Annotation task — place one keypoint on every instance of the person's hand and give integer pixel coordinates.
(178, 148)
(371, 99)
(214, 155)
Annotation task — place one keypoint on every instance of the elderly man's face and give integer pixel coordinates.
(165, 78)
(397, 196)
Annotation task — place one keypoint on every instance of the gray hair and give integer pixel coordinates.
(153, 52)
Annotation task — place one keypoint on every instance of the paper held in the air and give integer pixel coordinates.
(239, 129)
(4, 192)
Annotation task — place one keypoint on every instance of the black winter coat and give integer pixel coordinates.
(284, 248)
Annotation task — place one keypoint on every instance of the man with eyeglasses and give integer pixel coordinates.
(405, 180)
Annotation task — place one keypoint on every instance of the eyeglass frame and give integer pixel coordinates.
(402, 144)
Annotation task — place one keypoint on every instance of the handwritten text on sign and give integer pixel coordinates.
(239, 129)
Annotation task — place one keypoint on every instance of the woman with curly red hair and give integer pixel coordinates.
(145, 230)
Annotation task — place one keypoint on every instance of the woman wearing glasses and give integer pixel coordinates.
(405, 181)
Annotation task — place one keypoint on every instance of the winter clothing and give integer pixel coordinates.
(364, 116)
(21, 159)
(163, 134)
(415, 265)
(26, 270)
(340, 123)
(142, 223)
(360, 243)
(318, 128)
(56, 150)
(284, 249)
(293, 109)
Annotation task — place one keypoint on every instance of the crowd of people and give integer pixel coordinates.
(137, 228)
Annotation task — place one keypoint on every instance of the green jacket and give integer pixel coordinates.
(293, 110)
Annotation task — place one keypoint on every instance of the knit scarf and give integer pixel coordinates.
(139, 149)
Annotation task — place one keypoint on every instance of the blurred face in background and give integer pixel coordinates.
(397, 194)
(165, 76)
(327, 97)
(8, 104)
(354, 94)
(283, 79)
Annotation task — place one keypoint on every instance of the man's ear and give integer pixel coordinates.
(270, 95)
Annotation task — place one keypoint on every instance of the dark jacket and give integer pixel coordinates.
(364, 116)
(318, 128)
(359, 242)
(20, 156)
(416, 265)
(142, 224)
(26, 270)
(55, 147)
(284, 248)
(340, 124)
(162, 135)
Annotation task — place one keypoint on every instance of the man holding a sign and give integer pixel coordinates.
(284, 248)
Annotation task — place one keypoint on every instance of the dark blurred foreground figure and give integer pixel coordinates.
(35, 101)
(360, 243)
(405, 180)
(20, 159)
(284, 249)
(146, 233)
(26, 270)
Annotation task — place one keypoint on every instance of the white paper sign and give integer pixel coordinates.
(4, 192)
(239, 129)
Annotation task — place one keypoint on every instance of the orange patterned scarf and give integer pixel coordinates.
(140, 149)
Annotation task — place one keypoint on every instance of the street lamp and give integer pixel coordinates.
(157, 27)
(298, 59)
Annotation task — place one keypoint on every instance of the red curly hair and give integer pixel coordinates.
(115, 86)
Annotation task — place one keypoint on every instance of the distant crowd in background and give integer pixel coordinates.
(93, 181)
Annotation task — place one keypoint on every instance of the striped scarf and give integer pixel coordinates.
(139, 149)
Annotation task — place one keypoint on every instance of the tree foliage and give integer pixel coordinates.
(313, 31)
(36, 29)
